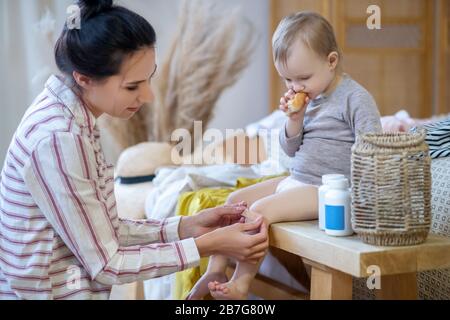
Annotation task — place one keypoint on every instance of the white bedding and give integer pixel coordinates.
(161, 203)
(170, 182)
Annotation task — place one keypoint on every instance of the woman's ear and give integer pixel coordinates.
(82, 80)
(333, 59)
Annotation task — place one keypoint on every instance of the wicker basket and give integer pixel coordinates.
(391, 188)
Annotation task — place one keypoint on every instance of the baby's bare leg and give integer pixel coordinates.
(296, 204)
(255, 192)
(217, 264)
(214, 272)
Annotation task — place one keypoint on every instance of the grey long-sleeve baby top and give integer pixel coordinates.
(324, 144)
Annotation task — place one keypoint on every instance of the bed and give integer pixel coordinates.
(240, 150)
(284, 276)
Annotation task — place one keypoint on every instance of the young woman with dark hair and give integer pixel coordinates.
(60, 235)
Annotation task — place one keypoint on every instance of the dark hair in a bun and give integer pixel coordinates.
(107, 34)
(90, 8)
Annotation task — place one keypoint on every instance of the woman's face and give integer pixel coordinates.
(122, 95)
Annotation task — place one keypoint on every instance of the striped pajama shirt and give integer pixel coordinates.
(60, 235)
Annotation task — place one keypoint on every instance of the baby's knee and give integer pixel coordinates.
(234, 197)
(258, 207)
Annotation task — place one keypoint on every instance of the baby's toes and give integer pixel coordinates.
(225, 290)
(212, 285)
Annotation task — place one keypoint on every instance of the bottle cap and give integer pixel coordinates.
(338, 184)
(328, 177)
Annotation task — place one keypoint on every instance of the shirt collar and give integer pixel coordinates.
(321, 98)
(84, 117)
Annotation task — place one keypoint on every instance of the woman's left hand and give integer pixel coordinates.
(210, 219)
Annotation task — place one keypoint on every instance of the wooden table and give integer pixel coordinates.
(335, 260)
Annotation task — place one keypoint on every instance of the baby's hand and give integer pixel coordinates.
(285, 99)
(295, 116)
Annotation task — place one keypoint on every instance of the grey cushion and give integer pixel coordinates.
(435, 284)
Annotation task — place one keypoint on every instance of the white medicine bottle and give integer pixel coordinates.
(321, 196)
(338, 208)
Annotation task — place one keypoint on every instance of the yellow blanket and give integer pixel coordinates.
(189, 203)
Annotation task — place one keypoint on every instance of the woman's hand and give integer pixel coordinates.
(210, 219)
(236, 241)
(296, 116)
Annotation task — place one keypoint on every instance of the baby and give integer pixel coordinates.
(319, 135)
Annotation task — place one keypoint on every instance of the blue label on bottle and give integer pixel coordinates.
(335, 217)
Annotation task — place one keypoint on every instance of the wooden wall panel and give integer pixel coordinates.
(354, 9)
(401, 46)
(361, 66)
(444, 67)
(397, 72)
(403, 85)
(446, 84)
(403, 8)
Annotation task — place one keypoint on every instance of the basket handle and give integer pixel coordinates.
(397, 140)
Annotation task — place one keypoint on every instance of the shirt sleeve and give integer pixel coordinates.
(134, 232)
(290, 145)
(62, 177)
(362, 114)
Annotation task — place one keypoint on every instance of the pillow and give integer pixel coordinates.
(435, 284)
(275, 154)
(269, 129)
(143, 159)
(135, 169)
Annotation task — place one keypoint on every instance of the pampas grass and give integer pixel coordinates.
(209, 51)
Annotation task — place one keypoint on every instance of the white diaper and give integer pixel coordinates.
(289, 183)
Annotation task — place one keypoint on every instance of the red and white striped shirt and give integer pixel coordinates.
(60, 236)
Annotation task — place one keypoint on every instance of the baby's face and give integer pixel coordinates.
(306, 71)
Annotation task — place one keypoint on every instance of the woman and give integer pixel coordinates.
(60, 235)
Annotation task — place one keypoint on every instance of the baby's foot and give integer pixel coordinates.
(227, 291)
(200, 290)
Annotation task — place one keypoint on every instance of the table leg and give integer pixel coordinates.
(329, 284)
(398, 287)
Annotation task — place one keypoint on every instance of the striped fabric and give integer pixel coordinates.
(438, 138)
(60, 235)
